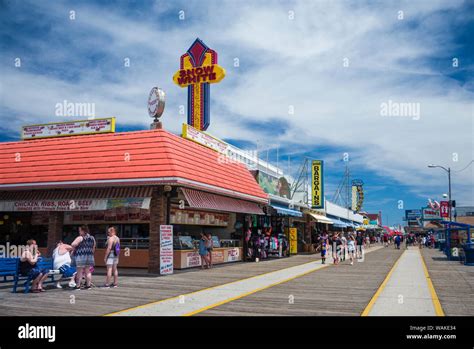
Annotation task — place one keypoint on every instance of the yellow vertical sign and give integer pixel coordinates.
(317, 184)
(293, 239)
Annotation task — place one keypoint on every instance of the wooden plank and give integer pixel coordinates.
(337, 290)
(453, 282)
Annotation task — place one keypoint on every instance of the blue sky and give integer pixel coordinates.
(291, 56)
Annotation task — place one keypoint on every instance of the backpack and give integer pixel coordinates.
(116, 248)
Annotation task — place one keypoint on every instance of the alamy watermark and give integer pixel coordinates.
(401, 109)
(66, 108)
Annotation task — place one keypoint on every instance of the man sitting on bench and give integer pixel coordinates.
(28, 267)
(62, 262)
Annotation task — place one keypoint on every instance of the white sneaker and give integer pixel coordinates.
(352, 263)
(72, 284)
(58, 285)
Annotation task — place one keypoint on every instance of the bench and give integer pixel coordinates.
(43, 263)
(8, 267)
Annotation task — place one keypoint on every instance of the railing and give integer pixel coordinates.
(132, 243)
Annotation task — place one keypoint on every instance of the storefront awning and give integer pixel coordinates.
(287, 211)
(207, 201)
(320, 218)
(338, 223)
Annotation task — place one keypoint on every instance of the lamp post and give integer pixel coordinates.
(448, 170)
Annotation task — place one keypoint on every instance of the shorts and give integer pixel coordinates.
(351, 249)
(112, 260)
(33, 273)
(67, 271)
(83, 261)
(323, 253)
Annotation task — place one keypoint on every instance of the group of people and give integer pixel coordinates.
(340, 246)
(75, 261)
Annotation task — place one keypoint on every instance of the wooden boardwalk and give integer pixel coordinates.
(352, 287)
(453, 282)
(334, 291)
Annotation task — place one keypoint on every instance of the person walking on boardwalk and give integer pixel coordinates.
(111, 257)
(343, 247)
(84, 248)
(385, 240)
(397, 242)
(351, 248)
(324, 245)
(360, 242)
(336, 248)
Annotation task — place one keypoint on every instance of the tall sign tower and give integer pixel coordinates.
(198, 69)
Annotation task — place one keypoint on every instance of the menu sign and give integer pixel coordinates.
(204, 139)
(195, 217)
(193, 259)
(166, 249)
(73, 205)
(71, 128)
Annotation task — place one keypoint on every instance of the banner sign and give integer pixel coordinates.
(317, 184)
(71, 128)
(197, 69)
(166, 249)
(430, 214)
(73, 205)
(204, 139)
(357, 195)
(293, 240)
(444, 209)
(274, 185)
(413, 215)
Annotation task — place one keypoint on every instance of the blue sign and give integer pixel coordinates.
(413, 215)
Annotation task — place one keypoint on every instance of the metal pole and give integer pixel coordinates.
(449, 194)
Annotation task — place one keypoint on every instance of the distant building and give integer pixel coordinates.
(464, 214)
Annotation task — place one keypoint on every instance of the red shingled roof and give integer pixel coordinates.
(156, 157)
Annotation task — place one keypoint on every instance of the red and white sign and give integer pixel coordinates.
(166, 249)
(233, 255)
(444, 209)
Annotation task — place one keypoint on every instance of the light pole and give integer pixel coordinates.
(448, 170)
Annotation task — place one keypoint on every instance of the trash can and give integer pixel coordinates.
(468, 253)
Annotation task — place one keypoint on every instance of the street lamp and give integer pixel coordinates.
(448, 170)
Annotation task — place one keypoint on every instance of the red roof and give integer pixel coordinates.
(155, 157)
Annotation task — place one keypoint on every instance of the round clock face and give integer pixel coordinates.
(156, 102)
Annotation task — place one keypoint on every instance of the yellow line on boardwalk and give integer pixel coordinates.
(369, 306)
(434, 297)
(254, 291)
(202, 290)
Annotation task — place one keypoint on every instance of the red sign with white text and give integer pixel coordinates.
(444, 209)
